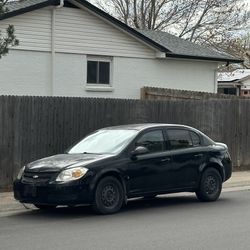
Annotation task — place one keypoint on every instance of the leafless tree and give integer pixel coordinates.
(208, 20)
(201, 21)
(146, 14)
(195, 20)
(239, 47)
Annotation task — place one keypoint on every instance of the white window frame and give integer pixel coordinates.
(98, 86)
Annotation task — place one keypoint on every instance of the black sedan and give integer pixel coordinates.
(114, 164)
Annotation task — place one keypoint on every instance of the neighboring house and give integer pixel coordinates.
(236, 82)
(72, 48)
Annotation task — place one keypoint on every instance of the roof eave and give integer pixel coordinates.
(230, 81)
(204, 58)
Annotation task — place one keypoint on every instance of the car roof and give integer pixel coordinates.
(142, 126)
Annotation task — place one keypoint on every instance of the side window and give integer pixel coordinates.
(153, 141)
(195, 139)
(179, 138)
(98, 71)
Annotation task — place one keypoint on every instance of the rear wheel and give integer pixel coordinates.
(210, 185)
(109, 196)
(45, 207)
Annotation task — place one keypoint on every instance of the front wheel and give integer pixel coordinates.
(109, 196)
(210, 185)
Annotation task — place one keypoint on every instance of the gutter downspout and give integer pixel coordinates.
(53, 52)
(216, 81)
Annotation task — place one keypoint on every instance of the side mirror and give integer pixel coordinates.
(140, 150)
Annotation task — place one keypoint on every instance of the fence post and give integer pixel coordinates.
(143, 93)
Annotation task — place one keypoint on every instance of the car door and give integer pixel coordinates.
(148, 172)
(187, 155)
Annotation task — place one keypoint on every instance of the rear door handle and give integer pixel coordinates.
(166, 159)
(198, 155)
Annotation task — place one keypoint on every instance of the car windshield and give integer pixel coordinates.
(106, 141)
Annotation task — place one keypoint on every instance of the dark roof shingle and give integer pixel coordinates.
(183, 47)
(17, 5)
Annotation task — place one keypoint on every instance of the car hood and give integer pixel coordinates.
(58, 162)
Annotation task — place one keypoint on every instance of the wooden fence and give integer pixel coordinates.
(163, 94)
(35, 127)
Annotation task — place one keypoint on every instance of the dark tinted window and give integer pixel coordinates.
(92, 72)
(179, 138)
(98, 72)
(104, 72)
(152, 140)
(195, 139)
(230, 91)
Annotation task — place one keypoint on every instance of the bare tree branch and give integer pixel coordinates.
(200, 21)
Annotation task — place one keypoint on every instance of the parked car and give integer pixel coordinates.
(114, 164)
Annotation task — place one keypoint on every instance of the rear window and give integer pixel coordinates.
(179, 138)
(183, 138)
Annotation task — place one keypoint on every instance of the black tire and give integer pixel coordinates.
(45, 207)
(210, 185)
(109, 196)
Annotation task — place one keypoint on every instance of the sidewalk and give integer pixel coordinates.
(238, 181)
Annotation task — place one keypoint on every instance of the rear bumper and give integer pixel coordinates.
(53, 194)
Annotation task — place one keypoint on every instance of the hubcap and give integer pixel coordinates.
(109, 195)
(211, 185)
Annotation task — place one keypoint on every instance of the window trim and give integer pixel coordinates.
(100, 86)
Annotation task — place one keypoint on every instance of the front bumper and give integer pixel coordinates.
(53, 194)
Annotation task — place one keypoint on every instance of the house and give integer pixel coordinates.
(236, 82)
(72, 48)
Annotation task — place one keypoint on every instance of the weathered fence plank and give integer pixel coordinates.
(35, 127)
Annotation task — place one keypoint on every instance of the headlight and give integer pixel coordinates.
(20, 174)
(72, 174)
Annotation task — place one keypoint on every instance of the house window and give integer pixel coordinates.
(98, 71)
(230, 91)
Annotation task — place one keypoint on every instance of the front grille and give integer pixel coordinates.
(38, 177)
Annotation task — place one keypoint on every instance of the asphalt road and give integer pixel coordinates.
(175, 222)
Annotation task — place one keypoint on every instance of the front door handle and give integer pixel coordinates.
(166, 159)
(198, 155)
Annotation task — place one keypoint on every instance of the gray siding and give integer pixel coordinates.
(33, 29)
(78, 31)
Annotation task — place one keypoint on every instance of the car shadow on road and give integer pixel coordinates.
(169, 203)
